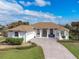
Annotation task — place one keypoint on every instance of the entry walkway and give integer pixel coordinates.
(53, 50)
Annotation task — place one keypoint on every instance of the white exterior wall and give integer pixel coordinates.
(12, 34)
(25, 35)
(30, 35)
(66, 34)
(21, 35)
(58, 34)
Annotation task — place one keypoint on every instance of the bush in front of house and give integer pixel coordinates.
(74, 36)
(14, 41)
(63, 36)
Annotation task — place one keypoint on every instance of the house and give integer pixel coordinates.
(39, 30)
(50, 30)
(23, 31)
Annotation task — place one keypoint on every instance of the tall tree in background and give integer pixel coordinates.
(14, 24)
(67, 26)
(74, 30)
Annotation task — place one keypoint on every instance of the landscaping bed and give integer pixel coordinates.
(72, 46)
(8, 47)
(27, 50)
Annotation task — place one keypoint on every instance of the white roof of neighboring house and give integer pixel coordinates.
(49, 25)
(22, 28)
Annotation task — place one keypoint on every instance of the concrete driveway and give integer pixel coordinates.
(52, 49)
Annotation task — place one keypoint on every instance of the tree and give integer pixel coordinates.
(14, 24)
(67, 26)
(75, 30)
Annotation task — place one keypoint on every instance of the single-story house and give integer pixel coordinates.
(23, 31)
(39, 30)
(50, 30)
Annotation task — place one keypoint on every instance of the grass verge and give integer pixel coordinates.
(72, 46)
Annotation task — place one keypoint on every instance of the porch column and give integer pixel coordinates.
(48, 32)
(66, 35)
(40, 33)
(60, 36)
(55, 33)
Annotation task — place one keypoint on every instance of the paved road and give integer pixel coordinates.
(53, 50)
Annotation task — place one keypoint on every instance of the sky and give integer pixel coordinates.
(58, 11)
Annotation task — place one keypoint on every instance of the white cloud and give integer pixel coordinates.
(4, 5)
(8, 9)
(28, 3)
(36, 16)
(40, 14)
(40, 3)
(13, 11)
(25, 3)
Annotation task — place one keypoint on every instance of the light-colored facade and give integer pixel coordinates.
(56, 34)
(39, 30)
(51, 30)
(27, 36)
(23, 31)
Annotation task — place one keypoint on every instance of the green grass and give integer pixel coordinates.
(32, 53)
(2, 39)
(73, 47)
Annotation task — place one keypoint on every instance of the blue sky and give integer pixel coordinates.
(58, 11)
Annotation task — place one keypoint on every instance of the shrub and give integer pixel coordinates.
(14, 41)
(63, 36)
(73, 37)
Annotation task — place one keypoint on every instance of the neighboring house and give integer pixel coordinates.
(39, 30)
(51, 30)
(23, 31)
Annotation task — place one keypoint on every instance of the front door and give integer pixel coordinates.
(44, 33)
(51, 33)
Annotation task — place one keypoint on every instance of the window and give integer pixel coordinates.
(57, 34)
(16, 34)
(44, 32)
(38, 31)
(62, 34)
(51, 31)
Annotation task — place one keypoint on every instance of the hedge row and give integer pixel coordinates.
(14, 41)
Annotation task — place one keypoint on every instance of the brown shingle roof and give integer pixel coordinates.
(49, 25)
(22, 28)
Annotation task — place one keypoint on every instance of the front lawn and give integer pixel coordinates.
(73, 47)
(32, 53)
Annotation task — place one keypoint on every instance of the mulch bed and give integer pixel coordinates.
(6, 46)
